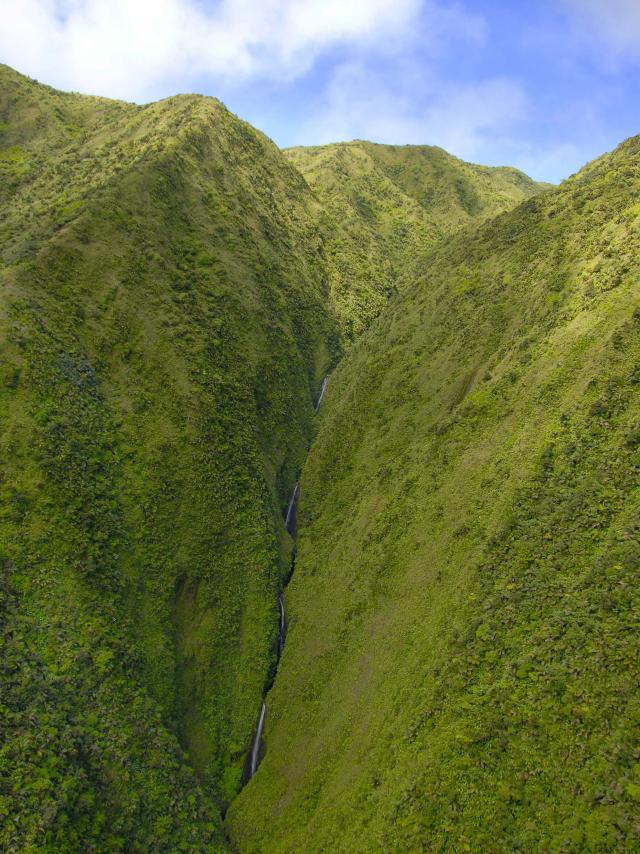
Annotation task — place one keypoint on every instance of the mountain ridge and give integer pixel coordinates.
(460, 659)
(162, 346)
(386, 206)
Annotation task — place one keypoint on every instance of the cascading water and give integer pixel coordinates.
(290, 518)
(290, 524)
(283, 625)
(325, 382)
(255, 749)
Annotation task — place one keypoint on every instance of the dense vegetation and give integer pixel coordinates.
(384, 205)
(462, 661)
(461, 665)
(164, 330)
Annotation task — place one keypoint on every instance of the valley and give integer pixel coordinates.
(416, 378)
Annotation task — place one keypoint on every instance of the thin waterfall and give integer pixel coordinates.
(290, 525)
(283, 625)
(325, 382)
(255, 750)
(290, 518)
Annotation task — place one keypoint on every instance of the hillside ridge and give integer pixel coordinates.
(385, 207)
(165, 330)
(461, 660)
(460, 667)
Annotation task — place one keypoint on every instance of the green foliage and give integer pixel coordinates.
(164, 331)
(461, 666)
(385, 205)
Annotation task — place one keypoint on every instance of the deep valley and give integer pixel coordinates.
(372, 399)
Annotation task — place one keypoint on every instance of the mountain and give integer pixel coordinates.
(165, 330)
(461, 666)
(384, 206)
(460, 669)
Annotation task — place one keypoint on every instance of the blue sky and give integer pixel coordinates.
(545, 85)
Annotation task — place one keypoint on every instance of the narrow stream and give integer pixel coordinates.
(290, 523)
(283, 625)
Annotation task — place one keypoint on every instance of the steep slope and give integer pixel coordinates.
(462, 665)
(384, 205)
(164, 330)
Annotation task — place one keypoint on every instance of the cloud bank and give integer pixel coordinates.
(613, 23)
(385, 88)
(544, 86)
(129, 48)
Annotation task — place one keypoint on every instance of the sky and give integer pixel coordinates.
(544, 85)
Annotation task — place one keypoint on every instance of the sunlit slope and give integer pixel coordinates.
(163, 332)
(461, 667)
(384, 205)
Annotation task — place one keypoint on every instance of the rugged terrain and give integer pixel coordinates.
(383, 206)
(461, 662)
(461, 668)
(165, 328)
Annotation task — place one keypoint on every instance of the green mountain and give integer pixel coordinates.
(164, 331)
(385, 205)
(462, 665)
(461, 670)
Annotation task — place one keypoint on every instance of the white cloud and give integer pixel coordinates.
(470, 120)
(388, 70)
(129, 48)
(615, 23)
(410, 100)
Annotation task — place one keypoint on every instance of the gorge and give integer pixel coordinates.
(460, 498)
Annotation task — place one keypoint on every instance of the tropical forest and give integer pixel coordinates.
(319, 490)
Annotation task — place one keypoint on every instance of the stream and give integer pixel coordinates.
(290, 523)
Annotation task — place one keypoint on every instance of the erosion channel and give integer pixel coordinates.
(290, 523)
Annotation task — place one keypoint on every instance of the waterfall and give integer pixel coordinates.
(283, 625)
(290, 525)
(255, 749)
(325, 382)
(290, 518)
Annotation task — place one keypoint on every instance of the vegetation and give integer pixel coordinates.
(461, 667)
(384, 205)
(164, 333)
(461, 662)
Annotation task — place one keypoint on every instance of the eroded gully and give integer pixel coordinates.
(290, 523)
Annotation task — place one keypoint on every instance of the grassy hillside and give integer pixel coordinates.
(384, 205)
(163, 331)
(461, 667)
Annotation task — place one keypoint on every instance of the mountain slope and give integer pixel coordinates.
(385, 205)
(164, 330)
(461, 667)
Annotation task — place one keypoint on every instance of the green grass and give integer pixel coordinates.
(461, 666)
